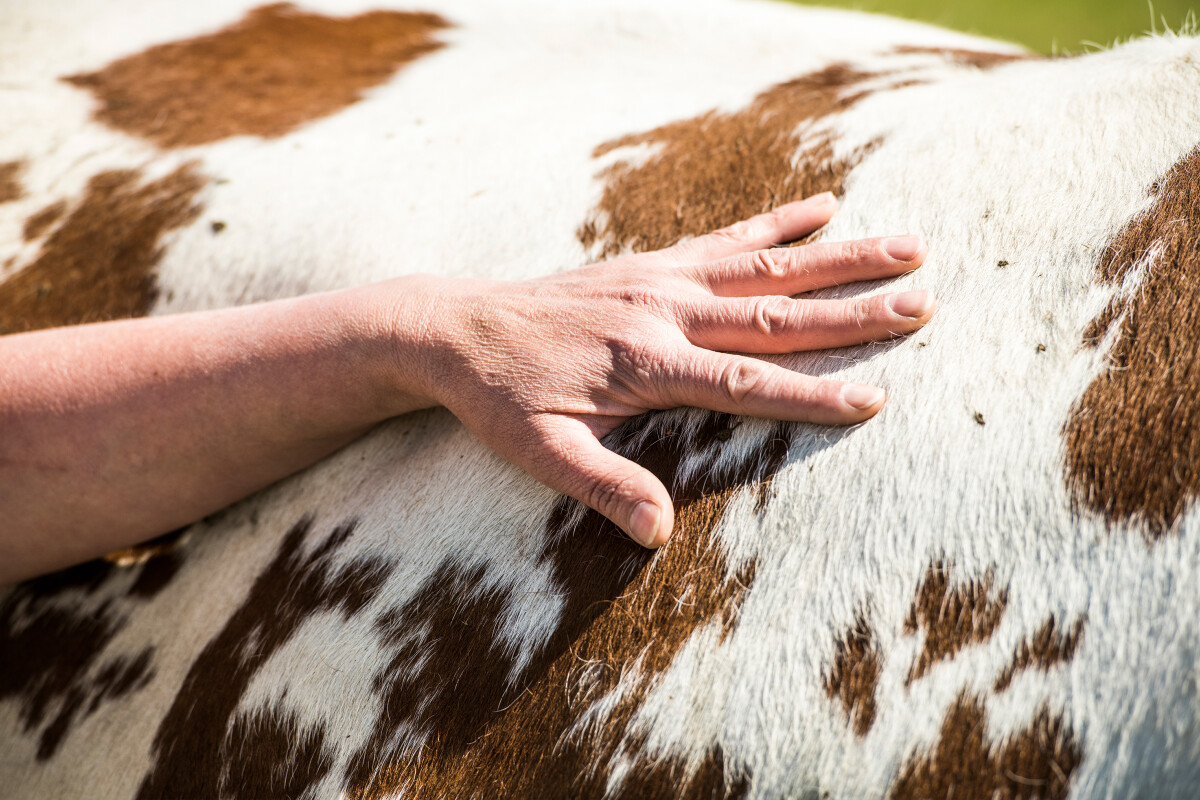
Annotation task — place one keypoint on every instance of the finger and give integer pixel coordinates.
(782, 325)
(793, 270)
(578, 465)
(784, 224)
(744, 385)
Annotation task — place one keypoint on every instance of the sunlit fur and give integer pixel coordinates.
(477, 160)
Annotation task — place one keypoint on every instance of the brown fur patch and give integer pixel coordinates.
(99, 263)
(41, 221)
(264, 76)
(52, 645)
(626, 615)
(719, 168)
(669, 778)
(980, 59)
(1049, 647)
(270, 753)
(1133, 438)
(191, 749)
(952, 615)
(855, 675)
(10, 181)
(1034, 764)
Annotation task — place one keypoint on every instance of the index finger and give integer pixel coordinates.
(794, 270)
(784, 224)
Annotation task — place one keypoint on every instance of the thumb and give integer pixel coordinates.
(630, 495)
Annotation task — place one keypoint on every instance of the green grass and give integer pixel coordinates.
(1048, 26)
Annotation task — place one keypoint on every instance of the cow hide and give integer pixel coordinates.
(992, 590)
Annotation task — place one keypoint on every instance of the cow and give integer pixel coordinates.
(991, 590)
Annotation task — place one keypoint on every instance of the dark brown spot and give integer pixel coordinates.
(52, 649)
(119, 677)
(669, 778)
(953, 615)
(264, 76)
(99, 263)
(48, 659)
(980, 59)
(10, 181)
(1049, 647)
(115, 679)
(1034, 764)
(217, 226)
(200, 730)
(43, 220)
(451, 680)
(855, 675)
(1133, 438)
(157, 572)
(626, 614)
(719, 168)
(269, 753)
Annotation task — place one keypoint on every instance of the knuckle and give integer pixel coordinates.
(768, 265)
(771, 315)
(863, 310)
(738, 232)
(775, 220)
(860, 250)
(741, 379)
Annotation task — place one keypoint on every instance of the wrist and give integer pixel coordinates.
(401, 324)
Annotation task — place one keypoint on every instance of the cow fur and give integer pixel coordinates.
(937, 603)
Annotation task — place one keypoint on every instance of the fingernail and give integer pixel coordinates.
(861, 397)
(822, 199)
(643, 523)
(911, 304)
(903, 248)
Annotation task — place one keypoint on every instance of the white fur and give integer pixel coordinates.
(476, 161)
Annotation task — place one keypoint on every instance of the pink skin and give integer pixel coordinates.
(116, 432)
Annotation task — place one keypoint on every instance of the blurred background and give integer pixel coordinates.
(1048, 26)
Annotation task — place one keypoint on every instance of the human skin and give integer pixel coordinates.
(116, 432)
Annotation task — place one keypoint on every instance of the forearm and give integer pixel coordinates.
(113, 433)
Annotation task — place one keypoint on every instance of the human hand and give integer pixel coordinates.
(541, 370)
